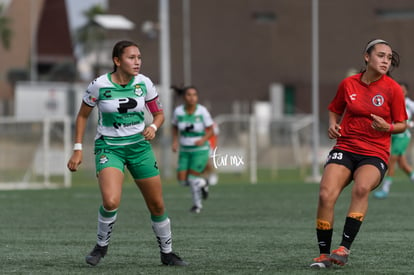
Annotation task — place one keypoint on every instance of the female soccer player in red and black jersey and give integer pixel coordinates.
(367, 109)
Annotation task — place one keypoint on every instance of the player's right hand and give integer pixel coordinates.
(174, 147)
(75, 161)
(334, 131)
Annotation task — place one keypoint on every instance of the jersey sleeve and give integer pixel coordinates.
(398, 110)
(208, 121)
(174, 120)
(338, 104)
(151, 90)
(91, 95)
(410, 107)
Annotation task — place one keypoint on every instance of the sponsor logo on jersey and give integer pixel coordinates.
(107, 94)
(125, 104)
(353, 96)
(378, 100)
(189, 127)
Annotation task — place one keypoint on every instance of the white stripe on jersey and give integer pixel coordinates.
(120, 109)
(191, 127)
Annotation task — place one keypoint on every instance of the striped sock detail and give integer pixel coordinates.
(107, 214)
(161, 218)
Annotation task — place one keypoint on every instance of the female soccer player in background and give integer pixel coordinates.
(399, 145)
(192, 127)
(123, 140)
(368, 107)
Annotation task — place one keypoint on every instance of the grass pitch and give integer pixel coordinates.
(267, 228)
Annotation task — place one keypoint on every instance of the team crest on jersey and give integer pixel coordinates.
(138, 90)
(378, 100)
(103, 159)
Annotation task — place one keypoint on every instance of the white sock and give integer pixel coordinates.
(412, 176)
(162, 231)
(106, 221)
(213, 179)
(196, 183)
(387, 185)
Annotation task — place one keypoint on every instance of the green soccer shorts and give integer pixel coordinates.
(137, 156)
(193, 160)
(399, 145)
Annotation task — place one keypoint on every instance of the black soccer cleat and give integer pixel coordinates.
(195, 209)
(96, 254)
(172, 259)
(204, 191)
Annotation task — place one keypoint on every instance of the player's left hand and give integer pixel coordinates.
(379, 124)
(149, 133)
(199, 142)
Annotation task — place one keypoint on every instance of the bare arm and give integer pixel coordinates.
(158, 120)
(379, 124)
(81, 120)
(175, 143)
(209, 133)
(334, 127)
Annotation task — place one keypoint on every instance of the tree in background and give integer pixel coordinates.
(90, 35)
(90, 38)
(5, 31)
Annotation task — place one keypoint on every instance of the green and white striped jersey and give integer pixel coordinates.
(120, 109)
(409, 107)
(191, 127)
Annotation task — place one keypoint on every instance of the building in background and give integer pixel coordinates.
(240, 48)
(40, 36)
(233, 51)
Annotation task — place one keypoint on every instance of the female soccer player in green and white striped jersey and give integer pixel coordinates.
(192, 127)
(122, 139)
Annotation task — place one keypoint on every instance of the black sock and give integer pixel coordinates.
(351, 229)
(324, 240)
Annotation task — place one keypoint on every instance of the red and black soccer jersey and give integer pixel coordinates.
(356, 101)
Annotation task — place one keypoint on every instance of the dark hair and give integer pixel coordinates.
(183, 89)
(118, 49)
(395, 59)
(404, 84)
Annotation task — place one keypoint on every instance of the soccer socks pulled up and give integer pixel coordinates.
(106, 221)
(162, 229)
(324, 235)
(196, 183)
(351, 228)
